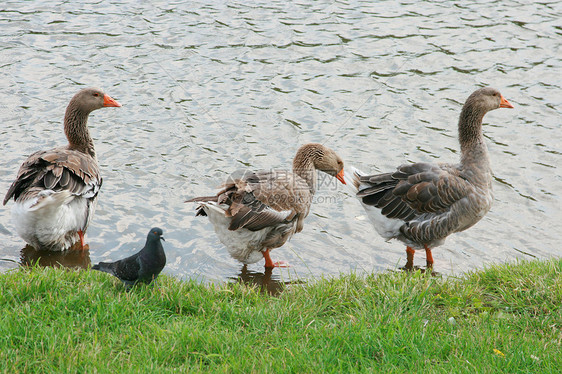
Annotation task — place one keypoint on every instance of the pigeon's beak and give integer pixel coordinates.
(162, 238)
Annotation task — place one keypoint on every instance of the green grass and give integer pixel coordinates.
(504, 319)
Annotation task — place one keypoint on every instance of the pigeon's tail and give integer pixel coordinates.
(103, 266)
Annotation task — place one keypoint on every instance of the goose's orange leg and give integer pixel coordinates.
(270, 264)
(409, 258)
(81, 235)
(428, 256)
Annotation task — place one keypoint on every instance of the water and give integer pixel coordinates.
(210, 88)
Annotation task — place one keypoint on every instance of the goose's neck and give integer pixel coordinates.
(473, 147)
(304, 168)
(76, 130)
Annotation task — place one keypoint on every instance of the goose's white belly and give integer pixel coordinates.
(388, 228)
(243, 245)
(54, 221)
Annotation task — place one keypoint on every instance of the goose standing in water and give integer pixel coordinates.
(255, 212)
(55, 190)
(421, 204)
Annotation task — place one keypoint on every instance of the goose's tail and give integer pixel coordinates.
(353, 179)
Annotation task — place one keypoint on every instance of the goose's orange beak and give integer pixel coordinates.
(340, 176)
(109, 101)
(504, 103)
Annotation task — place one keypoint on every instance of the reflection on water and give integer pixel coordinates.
(266, 281)
(72, 258)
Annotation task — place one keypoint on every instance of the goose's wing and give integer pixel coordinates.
(59, 169)
(414, 189)
(256, 200)
(267, 198)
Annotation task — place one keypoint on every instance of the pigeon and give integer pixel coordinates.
(143, 266)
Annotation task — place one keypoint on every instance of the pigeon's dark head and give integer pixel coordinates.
(155, 233)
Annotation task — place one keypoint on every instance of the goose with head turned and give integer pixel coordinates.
(55, 190)
(255, 212)
(421, 204)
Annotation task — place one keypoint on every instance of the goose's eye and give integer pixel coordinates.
(96, 94)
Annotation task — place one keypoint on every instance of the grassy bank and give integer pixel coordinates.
(504, 319)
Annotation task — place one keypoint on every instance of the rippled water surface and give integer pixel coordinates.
(210, 88)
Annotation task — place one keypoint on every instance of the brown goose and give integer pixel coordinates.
(55, 190)
(421, 204)
(255, 212)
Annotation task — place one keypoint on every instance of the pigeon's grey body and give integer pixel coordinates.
(143, 266)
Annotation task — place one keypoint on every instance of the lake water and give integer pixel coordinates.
(211, 88)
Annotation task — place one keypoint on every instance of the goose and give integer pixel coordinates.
(55, 190)
(420, 204)
(255, 212)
